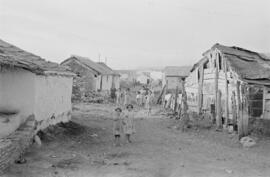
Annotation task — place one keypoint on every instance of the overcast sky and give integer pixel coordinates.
(134, 33)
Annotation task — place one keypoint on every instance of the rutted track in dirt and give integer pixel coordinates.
(156, 151)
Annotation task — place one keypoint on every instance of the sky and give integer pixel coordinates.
(131, 34)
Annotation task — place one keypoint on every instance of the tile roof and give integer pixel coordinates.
(11, 55)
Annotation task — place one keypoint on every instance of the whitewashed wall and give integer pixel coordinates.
(44, 96)
(107, 81)
(117, 82)
(52, 99)
(17, 90)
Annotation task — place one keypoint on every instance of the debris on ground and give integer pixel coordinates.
(72, 164)
(247, 142)
(94, 135)
(21, 160)
(228, 171)
(203, 121)
(89, 96)
(37, 140)
(259, 127)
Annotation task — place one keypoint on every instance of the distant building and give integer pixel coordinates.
(127, 75)
(156, 75)
(92, 76)
(174, 75)
(109, 79)
(143, 77)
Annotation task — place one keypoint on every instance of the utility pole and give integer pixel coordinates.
(106, 60)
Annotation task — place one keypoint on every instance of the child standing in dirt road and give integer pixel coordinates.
(117, 126)
(128, 122)
(118, 96)
(127, 97)
(148, 102)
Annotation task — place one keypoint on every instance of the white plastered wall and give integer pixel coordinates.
(52, 100)
(17, 94)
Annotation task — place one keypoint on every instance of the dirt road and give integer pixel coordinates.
(85, 148)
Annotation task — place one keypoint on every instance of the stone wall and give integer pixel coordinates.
(12, 146)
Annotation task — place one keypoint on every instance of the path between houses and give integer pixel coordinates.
(84, 148)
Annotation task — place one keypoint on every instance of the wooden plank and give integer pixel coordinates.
(176, 98)
(218, 118)
(159, 100)
(200, 89)
(245, 109)
(226, 93)
(240, 116)
(184, 98)
(216, 85)
(234, 109)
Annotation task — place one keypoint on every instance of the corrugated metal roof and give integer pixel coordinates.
(246, 63)
(249, 65)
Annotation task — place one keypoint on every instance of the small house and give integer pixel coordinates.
(86, 71)
(232, 84)
(173, 76)
(29, 85)
(91, 76)
(108, 79)
(127, 75)
(143, 77)
(34, 94)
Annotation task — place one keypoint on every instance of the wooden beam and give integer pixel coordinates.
(176, 98)
(240, 113)
(218, 118)
(234, 109)
(226, 93)
(159, 100)
(200, 89)
(184, 98)
(184, 120)
(216, 85)
(245, 118)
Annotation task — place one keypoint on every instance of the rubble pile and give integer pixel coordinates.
(247, 142)
(80, 95)
(203, 121)
(95, 97)
(259, 126)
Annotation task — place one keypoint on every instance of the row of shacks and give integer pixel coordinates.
(232, 84)
(31, 87)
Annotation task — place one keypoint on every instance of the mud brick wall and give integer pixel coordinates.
(12, 146)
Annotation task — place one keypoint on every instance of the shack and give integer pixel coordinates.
(108, 79)
(31, 88)
(143, 77)
(91, 76)
(173, 76)
(232, 84)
